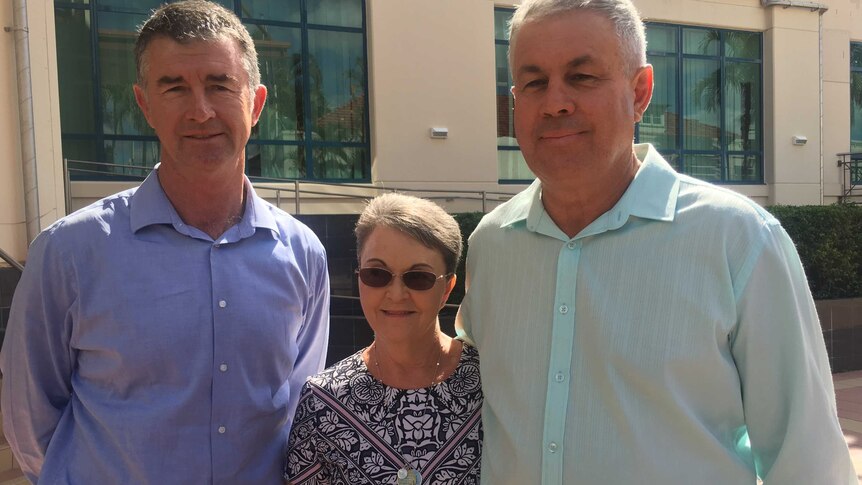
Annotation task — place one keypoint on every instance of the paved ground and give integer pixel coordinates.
(848, 393)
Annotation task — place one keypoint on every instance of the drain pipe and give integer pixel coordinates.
(25, 118)
(820, 55)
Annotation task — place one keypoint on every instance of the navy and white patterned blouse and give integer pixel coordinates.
(351, 429)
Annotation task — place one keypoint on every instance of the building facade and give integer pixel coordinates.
(376, 94)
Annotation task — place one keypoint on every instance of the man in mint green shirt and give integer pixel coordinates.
(636, 326)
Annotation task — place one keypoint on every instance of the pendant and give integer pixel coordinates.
(409, 476)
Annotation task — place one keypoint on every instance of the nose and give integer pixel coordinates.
(396, 289)
(558, 100)
(200, 109)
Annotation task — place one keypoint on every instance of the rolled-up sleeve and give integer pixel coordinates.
(37, 360)
(788, 396)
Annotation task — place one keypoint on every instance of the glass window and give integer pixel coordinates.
(283, 11)
(120, 112)
(337, 86)
(706, 113)
(312, 56)
(75, 66)
(279, 51)
(339, 13)
(510, 163)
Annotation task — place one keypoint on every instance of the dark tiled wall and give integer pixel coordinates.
(842, 330)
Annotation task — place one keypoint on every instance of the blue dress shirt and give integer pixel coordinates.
(141, 351)
(672, 341)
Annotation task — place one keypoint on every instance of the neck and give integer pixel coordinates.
(574, 208)
(409, 365)
(211, 202)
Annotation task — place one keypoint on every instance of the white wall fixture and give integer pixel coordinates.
(439, 132)
(799, 140)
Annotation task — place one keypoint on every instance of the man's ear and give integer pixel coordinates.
(642, 83)
(259, 100)
(141, 99)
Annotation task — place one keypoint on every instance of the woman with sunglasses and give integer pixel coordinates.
(406, 409)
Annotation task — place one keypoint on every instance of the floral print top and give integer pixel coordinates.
(351, 429)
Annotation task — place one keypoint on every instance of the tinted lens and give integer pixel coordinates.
(375, 277)
(419, 280)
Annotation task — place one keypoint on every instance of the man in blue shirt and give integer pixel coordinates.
(162, 335)
(635, 325)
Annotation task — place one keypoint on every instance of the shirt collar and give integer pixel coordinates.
(150, 205)
(651, 195)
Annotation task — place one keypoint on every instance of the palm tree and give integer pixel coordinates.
(710, 91)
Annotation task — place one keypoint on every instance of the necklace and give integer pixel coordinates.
(407, 474)
(434, 380)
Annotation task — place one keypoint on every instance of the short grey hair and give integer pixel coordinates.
(196, 20)
(418, 218)
(622, 14)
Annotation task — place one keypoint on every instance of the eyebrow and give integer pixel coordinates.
(219, 78)
(576, 62)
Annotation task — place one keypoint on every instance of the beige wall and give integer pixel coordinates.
(46, 116)
(431, 64)
(12, 236)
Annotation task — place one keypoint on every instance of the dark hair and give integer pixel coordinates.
(196, 20)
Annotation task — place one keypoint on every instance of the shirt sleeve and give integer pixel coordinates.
(313, 338)
(301, 465)
(788, 395)
(37, 359)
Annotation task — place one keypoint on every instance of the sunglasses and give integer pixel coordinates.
(415, 279)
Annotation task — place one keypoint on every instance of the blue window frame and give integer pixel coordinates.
(706, 114)
(312, 56)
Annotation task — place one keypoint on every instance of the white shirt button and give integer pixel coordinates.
(221, 429)
(222, 367)
(222, 304)
(559, 377)
(552, 447)
(564, 309)
(571, 245)
(217, 245)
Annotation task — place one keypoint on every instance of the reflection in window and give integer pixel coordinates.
(312, 60)
(706, 112)
(510, 162)
(856, 96)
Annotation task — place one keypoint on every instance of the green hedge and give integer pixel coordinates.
(829, 242)
(828, 239)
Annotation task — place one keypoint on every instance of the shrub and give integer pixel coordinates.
(829, 242)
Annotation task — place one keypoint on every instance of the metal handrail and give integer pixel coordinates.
(12, 262)
(475, 195)
(850, 163)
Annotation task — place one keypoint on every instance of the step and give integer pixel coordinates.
(7, 462)
(13, 477)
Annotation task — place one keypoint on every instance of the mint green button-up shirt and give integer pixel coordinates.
(674, 340)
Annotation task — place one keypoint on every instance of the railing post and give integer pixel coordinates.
(296, 195)
(67, 186)
(278, 198)
(484, 202)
